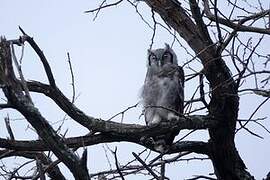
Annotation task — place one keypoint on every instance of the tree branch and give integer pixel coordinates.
(14, 93)
(10, 132)
(41, 55)
(146, 166)
(52, 171)
(196, 14)
(224, 99)
(82, 141)
(239, 26)
(98, 125)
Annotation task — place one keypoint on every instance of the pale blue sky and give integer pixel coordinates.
(108, 57)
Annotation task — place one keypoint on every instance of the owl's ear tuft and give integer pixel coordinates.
(169, 49)
(167, 46)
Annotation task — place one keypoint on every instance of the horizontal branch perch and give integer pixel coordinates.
(98, 125)
(82, 141)
(191, 146)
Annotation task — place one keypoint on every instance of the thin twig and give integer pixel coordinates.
(220, 39)
(145, 166)
(201, 177)
(72, 78)
(141, 16)
(10, 132)
(40, 169)
(162, 170)
(262, 103)
(154, 29)
(42, 57)
(238, 26)
(117, 164)
(18, 66)
(102, 7)
(123, 112)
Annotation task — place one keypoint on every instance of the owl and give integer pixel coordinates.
(163, 93)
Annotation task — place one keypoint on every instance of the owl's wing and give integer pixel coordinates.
(181, 78)
(181, 75)
(179, 103)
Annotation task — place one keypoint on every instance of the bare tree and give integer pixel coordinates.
(226, 45)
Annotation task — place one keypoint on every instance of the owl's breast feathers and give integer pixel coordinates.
(171, 71)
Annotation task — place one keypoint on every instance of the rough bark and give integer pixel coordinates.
(108, 131)
(221, 121)
(19, 101)
(224, 102)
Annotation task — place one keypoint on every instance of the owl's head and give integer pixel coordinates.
(161, 57)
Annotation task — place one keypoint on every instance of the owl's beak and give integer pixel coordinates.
(159, 63)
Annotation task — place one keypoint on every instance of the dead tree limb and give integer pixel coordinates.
(14, 93)
(224, 102)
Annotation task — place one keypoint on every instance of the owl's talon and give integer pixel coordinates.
(161, 146)
(147, 140)
(152, 125)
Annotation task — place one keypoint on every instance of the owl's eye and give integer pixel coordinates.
(167, 57)
(152, 59)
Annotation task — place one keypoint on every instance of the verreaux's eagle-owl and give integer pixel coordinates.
(163, 92)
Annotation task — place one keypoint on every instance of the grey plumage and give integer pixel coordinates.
(163, 92)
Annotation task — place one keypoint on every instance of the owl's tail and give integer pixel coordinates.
(163, 142)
